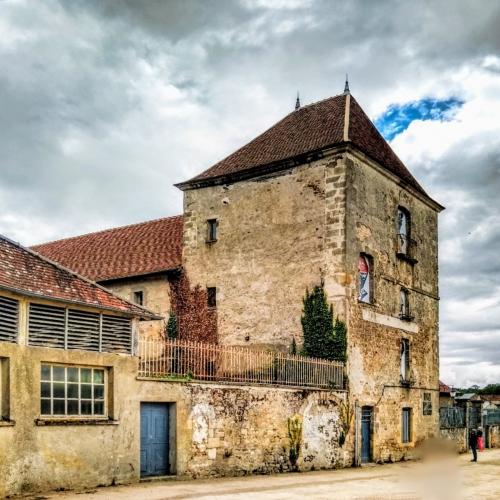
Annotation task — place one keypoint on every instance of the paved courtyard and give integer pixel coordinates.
(436, 478)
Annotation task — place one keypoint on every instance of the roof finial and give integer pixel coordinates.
(346, 87)
(297, 102)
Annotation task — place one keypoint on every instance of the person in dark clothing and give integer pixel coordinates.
(473, 444)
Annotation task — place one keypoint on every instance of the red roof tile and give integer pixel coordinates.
(306, 130)
(443, 387)
(25, 272)
(134, 250)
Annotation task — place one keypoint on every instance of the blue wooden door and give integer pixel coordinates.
(154, 439)
(366, 434)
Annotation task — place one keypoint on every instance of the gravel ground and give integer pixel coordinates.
(438, 477)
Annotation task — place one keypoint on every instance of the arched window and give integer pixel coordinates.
(365, 267)
(404, 229)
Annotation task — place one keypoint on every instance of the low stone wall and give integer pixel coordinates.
(228, 430)
(458, 436)
(494, 436)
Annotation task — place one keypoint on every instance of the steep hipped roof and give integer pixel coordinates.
(25, 272)
(138, 249)
(334, 121)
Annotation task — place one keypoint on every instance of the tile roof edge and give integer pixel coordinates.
(146, 312)
(139, 275)
(26, 293)
(110, 229)
(260, 170)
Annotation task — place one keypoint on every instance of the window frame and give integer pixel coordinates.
(138, 294)
(406, 438)
(212, 230)
(427, 404)
(92, 400)
(404, 305)
(211, 296)
(369, 261)
(405, 369)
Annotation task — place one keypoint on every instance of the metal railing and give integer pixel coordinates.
(186, 360)
(451, 417)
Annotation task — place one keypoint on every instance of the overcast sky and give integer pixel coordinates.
(105, 104)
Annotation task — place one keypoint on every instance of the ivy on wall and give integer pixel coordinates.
(323, 337)
(195, 320)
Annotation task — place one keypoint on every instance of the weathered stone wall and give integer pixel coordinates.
(494, 436)
(156, 290)
(237, 430)
(218, 430)
(36, 457)
(458, 436)
(375, 330)
(271, 239)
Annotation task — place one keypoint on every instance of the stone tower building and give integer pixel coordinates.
(321, 196)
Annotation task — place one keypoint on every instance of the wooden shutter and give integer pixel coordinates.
(46, 326)
(116, 334)
(83, 330)
(9, 316)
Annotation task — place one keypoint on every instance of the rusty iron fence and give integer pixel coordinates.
(177, 359)
(452, 417)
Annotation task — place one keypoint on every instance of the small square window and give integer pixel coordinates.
(139, 298)
(212, 296)
(211, 230)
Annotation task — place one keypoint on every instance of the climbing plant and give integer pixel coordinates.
(172, 330)
(295, 438)
(323, 337)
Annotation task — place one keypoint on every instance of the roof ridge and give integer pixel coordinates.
(319, 102)
(73, 273)
(108, 230)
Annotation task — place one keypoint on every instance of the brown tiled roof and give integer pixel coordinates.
(306, 130)
(25, 272)
(134, 250)
(443, 387)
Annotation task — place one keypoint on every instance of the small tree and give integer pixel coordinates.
(172, 330)
(322, 337)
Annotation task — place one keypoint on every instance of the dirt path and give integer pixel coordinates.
(453, 478)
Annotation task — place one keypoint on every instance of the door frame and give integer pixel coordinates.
(370, 435)
(172, 436)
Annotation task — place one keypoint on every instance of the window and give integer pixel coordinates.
(403, 225)
(365, 267)
(406, 245)
(9, 314)
(405, 361)
(406, 426)
(72, 391)
(4, 389)
(427, 404)
(404, 305)
(212, 296)
(139, 298)
(211, 230)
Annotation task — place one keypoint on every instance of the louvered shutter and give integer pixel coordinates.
(116, 334)
(46, 326)
(83, 330)
(9, 315)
